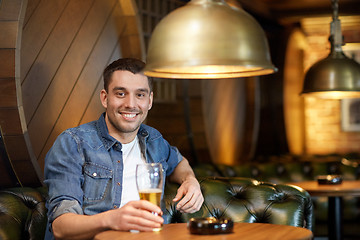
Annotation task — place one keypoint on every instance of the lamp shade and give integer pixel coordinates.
(334, 77)
(208, 39)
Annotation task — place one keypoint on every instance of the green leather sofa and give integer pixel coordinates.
(23, 212)
(288, 168)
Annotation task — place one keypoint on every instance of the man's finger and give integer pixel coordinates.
(185, 201)
(178, 196)
(193, 205)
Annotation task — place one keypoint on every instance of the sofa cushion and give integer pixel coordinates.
(247, 200)
(23, 211)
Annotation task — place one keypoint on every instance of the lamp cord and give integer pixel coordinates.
(335, 7)
(335, 28)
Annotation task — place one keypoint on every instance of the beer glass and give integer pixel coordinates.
(149, 181)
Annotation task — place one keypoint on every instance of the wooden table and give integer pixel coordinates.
(334, 192)
(243, 231)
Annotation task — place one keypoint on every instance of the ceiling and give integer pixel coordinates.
(314, 16)
(293, 10)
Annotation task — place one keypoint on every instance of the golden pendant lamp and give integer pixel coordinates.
(336, 76)
(207, 39)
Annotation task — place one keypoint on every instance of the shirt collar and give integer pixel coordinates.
(109, 141)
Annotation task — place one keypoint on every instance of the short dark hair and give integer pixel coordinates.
(126, 64)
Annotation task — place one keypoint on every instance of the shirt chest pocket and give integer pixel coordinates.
(97, 182)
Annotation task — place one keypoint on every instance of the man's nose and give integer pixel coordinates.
(130, 101)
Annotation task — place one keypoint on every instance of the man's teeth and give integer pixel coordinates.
(128, 115)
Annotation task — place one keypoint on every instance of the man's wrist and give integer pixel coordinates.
(190, 177)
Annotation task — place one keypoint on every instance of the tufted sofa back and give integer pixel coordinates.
(280, 172)
(247, 200)
(293, 169)
(23, 212)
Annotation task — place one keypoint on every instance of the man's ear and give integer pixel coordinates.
(151, 100)
(103, 98)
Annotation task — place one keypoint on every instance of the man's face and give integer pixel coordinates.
(127, 103)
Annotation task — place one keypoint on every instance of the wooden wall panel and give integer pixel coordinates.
(37, 30)
(26, 172)
(17, 147)
(129, 44)
(7, 62)
(30, 10)
(15, 157)
(68, 74)
(82, 89)
(8, 92)
(10, 121)
(94, 106)
(51, 65)
(11, 10)
(63, 83)
(52, 57)
(8, 34)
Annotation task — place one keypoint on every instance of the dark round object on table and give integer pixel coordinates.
(210, 225)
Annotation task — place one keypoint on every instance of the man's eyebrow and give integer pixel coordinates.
(143, 90)
(119, 88)
(124, 89)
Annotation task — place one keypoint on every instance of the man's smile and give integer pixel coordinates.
(129, 116)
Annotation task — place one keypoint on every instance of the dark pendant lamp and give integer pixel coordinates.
(336, 76)
(207, 39)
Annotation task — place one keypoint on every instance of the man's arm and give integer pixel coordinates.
(135, 215)
(189, 190)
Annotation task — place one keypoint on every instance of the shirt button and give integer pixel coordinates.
(115, 206)
(94, 174)
(119, 161)
(118, 184)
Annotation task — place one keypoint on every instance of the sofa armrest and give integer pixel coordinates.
(22, 213)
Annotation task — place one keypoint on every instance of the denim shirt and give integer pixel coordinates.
(84, 167)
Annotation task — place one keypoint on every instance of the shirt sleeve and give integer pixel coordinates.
(173, 159)
(67, 206)
(63, 177)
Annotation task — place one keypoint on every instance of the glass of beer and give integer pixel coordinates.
(149, 181)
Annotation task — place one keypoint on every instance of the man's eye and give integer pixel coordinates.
(120, 94)
(140, 95)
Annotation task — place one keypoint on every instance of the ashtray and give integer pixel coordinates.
(329, 179)
(210, 225)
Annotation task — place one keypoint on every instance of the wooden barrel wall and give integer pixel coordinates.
(16, 159)
(62, 47)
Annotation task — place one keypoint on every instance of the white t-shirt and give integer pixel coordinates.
(131, 156)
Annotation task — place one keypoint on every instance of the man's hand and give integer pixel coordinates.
(193, 198)
(136, 215)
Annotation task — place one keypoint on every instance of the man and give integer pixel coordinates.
(90, 170)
